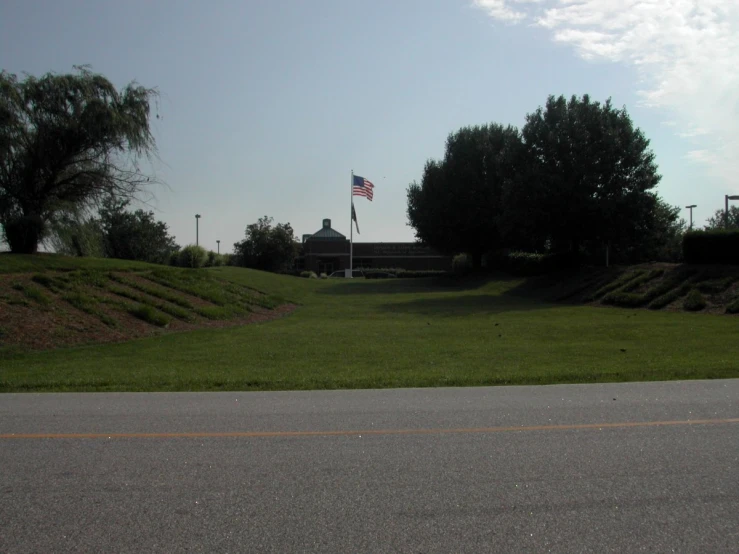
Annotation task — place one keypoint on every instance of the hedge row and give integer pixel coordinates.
(711, 247)
(527, 264)
(379, 273)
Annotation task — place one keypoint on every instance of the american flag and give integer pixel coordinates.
(362, 187)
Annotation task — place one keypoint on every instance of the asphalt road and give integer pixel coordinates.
(643, 467)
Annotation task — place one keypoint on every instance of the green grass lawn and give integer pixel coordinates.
(396, 333)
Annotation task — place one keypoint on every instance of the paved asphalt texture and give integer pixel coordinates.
(638, 467)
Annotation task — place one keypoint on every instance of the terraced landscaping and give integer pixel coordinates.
(481, 330)
(714, 289)
(58, 308)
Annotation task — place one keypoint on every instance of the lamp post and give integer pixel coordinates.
(726, 207)
(197, 219)
(691, 214)
(219, 246)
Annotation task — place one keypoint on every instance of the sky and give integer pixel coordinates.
(266, 106)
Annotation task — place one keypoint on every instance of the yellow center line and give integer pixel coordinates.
(259, 434)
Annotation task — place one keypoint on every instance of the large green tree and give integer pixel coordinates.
(267, 247)
(592, 175)
(458, 205)
(134, 235)
(67, 141)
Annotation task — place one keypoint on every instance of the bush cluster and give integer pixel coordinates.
(694, 302)
(462, 264)
(711, 247)
(529, 264)
(309, 274)
(192, 256)
(382, 272)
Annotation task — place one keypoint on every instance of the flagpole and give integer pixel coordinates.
(351, 229)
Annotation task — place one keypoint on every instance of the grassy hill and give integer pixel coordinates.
(365, 334)
(54, 301)
(670, 287)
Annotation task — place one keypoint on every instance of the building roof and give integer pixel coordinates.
(326, 233)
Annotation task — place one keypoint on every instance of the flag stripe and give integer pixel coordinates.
(362, 187)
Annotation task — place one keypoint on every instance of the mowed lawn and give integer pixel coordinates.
(397, 333)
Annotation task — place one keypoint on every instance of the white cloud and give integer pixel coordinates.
(686, 53)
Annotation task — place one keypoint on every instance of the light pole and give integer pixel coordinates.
(691, 214)
(726, 207)
(197, 218)
(219, 246)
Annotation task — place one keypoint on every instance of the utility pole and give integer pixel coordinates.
(197, 219)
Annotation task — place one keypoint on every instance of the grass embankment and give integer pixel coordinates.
(398, 333)
(62, 305)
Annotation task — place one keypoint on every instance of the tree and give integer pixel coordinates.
(134, 235)
(718, 221)
(266, 247)
(459, 203)
(76, 233)
(65, 142)
(592, 174)
(661, 238)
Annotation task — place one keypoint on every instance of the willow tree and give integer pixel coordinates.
(66, 142)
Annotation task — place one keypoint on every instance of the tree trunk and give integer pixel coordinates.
(24, 233)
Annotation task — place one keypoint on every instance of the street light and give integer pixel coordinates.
(726, 207)
(219, 246)
(691, 214)
(197, 218)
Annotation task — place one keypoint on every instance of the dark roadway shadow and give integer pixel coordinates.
(412, 286)
(450, 306)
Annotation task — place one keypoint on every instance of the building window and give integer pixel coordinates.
(326, 267)
(362, 263)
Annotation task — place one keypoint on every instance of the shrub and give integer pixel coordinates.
(324, 276)
(462, 264)
(694, 302)
(216, 312)
(82, 302)
(150, 315)
(174, 258)
(192, 256)
(42, 279)
(422, 273)
(309, 274)
(624, 299)
(670, 296)
(644, 278)
(620, 281)
(526, 264)
(711, 247)
(715, 286)
(153, 291)
(214, 260)
(733, 307)
(35, 293)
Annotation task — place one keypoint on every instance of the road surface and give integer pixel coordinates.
(650, 467)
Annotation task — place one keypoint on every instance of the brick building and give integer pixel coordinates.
(327, 250)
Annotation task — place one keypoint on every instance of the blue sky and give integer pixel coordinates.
(267, 106)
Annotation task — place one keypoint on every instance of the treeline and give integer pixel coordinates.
(578, 179)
